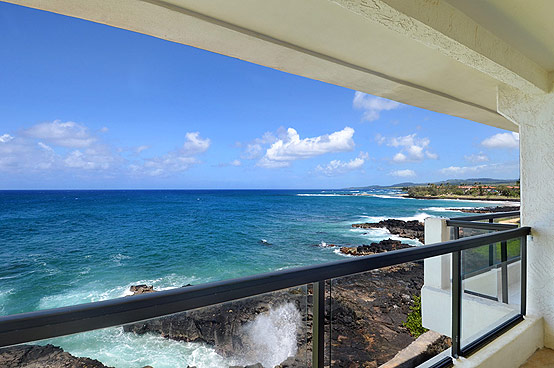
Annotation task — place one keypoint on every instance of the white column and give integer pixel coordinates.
(437, 269)
(435, 296)
(535, 116)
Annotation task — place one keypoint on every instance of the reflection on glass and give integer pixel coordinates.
(491, 292)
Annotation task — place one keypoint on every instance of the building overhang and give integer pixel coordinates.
(428, 54)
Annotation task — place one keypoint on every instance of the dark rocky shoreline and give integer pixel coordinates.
(487, 209)
(47, 356)
(386, 245)
(406, 229)
(365, 314)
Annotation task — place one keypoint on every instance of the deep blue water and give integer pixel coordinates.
(65, 247)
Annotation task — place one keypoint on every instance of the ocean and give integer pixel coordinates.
(60, 248)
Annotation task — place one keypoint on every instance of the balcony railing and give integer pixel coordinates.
(43, 324)
(468, 271)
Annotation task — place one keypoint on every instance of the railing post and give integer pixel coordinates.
(504, 270)
(318, 324)
(456, 298)
(491, 248)
(523, 277)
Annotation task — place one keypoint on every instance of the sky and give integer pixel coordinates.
(87, 106)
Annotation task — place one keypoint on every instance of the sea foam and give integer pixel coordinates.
(419, 217)
(271, 337)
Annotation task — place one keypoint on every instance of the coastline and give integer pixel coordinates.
(327, 219)
(465, 198)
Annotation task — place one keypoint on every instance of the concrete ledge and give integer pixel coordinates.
(415, 353)
(511, 349)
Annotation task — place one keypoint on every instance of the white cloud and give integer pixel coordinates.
(142, 148)
(373, 105)
(104, 130)
(235, 163)
(400, 157)
(169, 163)
(337, 167)
(255, 148)
(502, 140)
(44, 147)
(177, 160)
(18, 154)
(5, 138)
(380, 139)
(480, 157)
(68, 134)
(507, 168)
(403, 173)
(413, 149)
(292, 147)
(461, 170)
(194, 144)
(90, 159)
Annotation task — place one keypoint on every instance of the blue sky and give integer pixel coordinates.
(84, 105)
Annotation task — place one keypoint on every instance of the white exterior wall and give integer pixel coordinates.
(535, 116)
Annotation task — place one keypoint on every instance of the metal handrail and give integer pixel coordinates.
(487, 216)
(480, 225)
(38, 325)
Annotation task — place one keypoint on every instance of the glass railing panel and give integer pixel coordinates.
(264, 331)
(375, 316)
(490, 295)
(480, 259)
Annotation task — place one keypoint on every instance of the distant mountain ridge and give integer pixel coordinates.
(449, 181)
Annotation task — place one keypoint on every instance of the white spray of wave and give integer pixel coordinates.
(4, 295)
(271, 337)
(116, 348)
(419, 217)
(387, 196)
(96, 291)
(117, 258)
(337, 251)
(319, 195)
(446, 209)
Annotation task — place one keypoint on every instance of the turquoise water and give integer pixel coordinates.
(65, 247)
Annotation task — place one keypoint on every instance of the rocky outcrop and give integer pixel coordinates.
(222, 326)
(367, 312)
(364, 313)
(406, 229)
(41, 356)
(486, 209)
(383, 246)
(141, 289)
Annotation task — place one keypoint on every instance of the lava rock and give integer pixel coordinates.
(35, 356)
(406, 229)
(383, 246)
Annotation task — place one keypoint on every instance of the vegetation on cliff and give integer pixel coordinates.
(476, 190)
(413, 322)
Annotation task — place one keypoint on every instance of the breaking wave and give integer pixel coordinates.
(271, 337)
(419, 217)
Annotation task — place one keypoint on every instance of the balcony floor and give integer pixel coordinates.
(542, 358)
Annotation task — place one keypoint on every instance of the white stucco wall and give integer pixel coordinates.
(535, 116)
